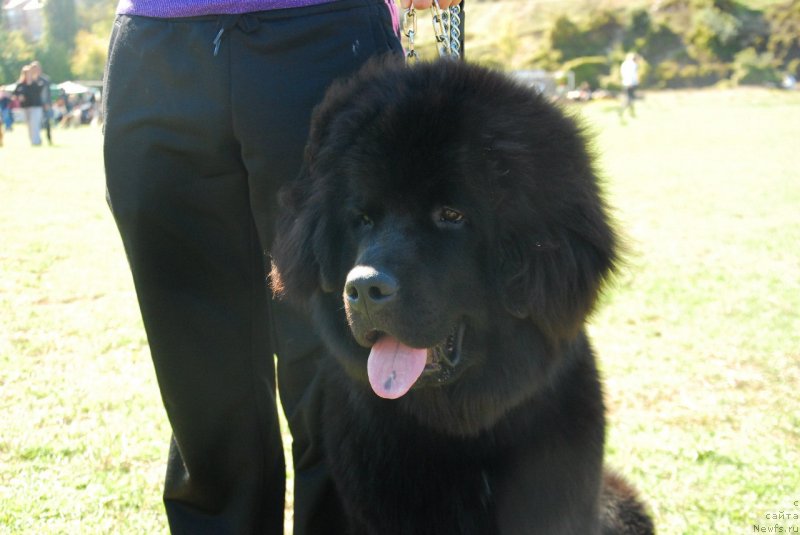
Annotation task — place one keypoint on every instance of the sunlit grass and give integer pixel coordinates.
(700, 337)
(83, 437)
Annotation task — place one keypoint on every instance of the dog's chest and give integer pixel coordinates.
(391, 476)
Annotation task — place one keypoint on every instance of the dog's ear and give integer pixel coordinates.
(302, 253)
(305, 251)
(556, 245)
(327, 245)
(553, 275)
(294, 272)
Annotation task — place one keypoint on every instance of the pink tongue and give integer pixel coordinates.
(393, 368)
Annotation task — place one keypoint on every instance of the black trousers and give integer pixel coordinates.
(196, 147)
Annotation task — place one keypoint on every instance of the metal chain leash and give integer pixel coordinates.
(446, 31)
(454, 24)
(410, 31)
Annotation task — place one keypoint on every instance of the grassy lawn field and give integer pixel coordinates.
(698, 337)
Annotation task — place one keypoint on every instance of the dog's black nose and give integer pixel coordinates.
(369, 289)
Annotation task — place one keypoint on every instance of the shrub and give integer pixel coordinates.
(784, 35)
(660, 43)
(714, 34)
(665, 74)
(567, 38)
(752, 68)
(602, 31)
(793, 67)
(54, 56)
(639, 27)
(673, 75)
(597, 36)
(588, 69)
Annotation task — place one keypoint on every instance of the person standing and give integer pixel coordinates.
(5, 111)
(47, 109)
(207, 106)
(629, 72)
(29, 92)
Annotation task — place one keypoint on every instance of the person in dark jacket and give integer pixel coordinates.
(29, 92)
(47, 108)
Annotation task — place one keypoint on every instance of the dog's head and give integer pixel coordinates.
(447, 222)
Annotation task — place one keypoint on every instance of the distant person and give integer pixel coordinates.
(585, 92)
(30, 92)
(629, 71)
(36, 72)
(5, 113)
(5, 110)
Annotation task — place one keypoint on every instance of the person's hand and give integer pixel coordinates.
(425, 4)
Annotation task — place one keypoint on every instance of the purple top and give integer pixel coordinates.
(193, 8)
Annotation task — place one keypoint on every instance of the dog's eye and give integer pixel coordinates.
(450, 216)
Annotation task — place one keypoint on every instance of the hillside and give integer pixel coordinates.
(683, 43)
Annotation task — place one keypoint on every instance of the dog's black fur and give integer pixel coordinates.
(449, 208)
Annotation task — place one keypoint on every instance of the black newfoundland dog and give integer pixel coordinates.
(449, 238)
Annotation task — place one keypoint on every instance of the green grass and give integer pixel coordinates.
(83, 437)
(698, 338)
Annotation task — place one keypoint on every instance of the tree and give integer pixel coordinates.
(593, 37)
(61, 22)
(567, 38)
(61, 27)
(639, 27)
(784, 35)
(97, 16)
(15, 52)
(714, 34)
(753, 68)
(89, 58)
